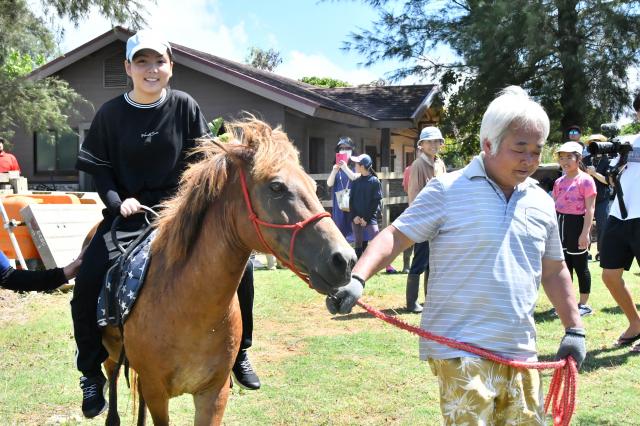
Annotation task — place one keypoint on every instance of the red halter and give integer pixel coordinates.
(297, 227)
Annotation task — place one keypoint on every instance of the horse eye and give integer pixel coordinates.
(277, 187)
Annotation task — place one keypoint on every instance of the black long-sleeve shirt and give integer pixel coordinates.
(364, 199)
(19, 280)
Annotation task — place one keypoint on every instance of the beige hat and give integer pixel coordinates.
(596, 137)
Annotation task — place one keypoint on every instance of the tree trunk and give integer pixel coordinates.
(574, 86)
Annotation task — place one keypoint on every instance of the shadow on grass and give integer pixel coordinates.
(545, 316)
(392, 312)
(615, 310)
(600, 358)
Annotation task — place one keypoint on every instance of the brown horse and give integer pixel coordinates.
(184, 331)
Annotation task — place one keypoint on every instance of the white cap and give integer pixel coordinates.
(146, 39)
(430, 133)
(574, 147)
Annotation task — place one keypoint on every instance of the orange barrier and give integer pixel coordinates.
(13, 203)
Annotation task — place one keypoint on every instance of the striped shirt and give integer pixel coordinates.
(485, 262)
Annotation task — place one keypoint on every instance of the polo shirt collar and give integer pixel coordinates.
(428, 159)
(476, 169)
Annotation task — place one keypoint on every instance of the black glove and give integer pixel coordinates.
(345, 297)
(573, 343)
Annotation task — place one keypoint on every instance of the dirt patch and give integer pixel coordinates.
(281, 339)
(12, 307)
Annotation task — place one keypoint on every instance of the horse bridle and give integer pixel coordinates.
(296, 227)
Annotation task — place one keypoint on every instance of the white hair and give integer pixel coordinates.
(512, 106)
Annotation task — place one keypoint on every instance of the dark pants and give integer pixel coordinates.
(601, 215)
(420, 260)
(245, 297)
(570, 229)
(90, 352)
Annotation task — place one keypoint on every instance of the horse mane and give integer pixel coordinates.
(253, 143)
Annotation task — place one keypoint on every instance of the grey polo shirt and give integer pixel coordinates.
(485, 260)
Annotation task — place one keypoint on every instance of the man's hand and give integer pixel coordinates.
(573, 344)
(343, 300)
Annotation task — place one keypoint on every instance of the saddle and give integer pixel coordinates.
(129, 260)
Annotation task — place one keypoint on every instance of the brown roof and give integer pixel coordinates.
(375, 103)
(382, 102)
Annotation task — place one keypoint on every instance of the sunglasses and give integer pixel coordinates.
(574, 132)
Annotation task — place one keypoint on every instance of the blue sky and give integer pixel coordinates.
(309, 34)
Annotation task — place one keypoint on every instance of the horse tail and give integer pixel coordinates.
(136, 393)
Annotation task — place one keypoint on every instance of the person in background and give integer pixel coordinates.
(364, 203)
(406, 255)
(8, 162)
(573, 133)
(597, 167)
(621, 241)
(340, 179)
(425, 167)
(575, 193)
(494, 238)
(25, 280)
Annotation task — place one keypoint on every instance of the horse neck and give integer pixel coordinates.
(210, 275)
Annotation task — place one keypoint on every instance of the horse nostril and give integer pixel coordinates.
(343, 262)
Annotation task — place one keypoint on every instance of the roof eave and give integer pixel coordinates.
(425, 104)
(78, 53)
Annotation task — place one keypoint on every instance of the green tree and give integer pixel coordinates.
(324, 82)
(262, 59)
(28, 41)
(570, 55)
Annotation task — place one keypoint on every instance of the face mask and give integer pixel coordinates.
(346, 151)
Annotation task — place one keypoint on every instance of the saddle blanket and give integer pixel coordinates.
(123, 281)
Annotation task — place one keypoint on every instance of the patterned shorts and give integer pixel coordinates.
(476, 391)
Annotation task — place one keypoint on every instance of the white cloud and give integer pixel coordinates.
(298, 64)
(192, 23)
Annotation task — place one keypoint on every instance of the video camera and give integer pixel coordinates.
(613, 146)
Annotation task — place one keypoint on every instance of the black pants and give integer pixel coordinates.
(570, 229)
(90, 352)
(245, 297)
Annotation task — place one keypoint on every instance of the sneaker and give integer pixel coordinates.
(243, 372)
(93, 402)
(390, 270)
(584, 310)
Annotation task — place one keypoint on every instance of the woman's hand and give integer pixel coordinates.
(129, 206)
(342, 164)
(336, 167)
(583, 241)
(71, 270)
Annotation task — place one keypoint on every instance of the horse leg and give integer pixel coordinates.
(142, 407)
(113, 419)
(156, 400)
(210, 405)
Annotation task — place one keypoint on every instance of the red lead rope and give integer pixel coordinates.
(562, 390)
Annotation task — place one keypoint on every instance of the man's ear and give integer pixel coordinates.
(486, 146)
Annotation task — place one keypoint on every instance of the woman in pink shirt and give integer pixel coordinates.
(575, 196)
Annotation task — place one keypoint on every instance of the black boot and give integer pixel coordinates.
(243, 372)
(93, 402)
(413, 286)
(406, 260)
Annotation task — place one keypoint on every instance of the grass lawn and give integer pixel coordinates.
(316, 369)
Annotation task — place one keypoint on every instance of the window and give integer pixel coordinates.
(56, 152)
(114, 74)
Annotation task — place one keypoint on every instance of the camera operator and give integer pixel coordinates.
(597, 167)
(621, 241)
